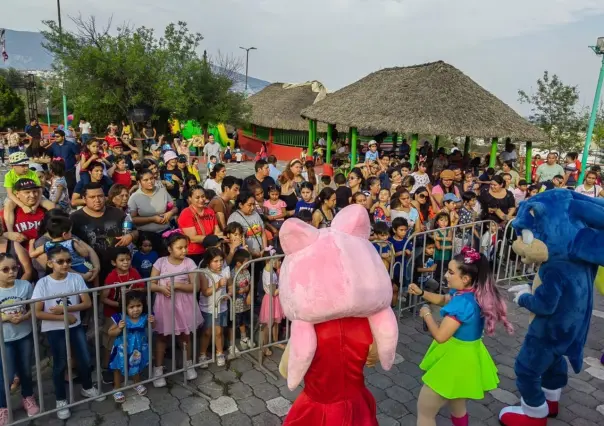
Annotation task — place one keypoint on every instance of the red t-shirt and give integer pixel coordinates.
(207, 219)
(122, 178)
(115, 293)
(112, 141)
(26, 224)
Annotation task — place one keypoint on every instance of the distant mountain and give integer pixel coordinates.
(25, 52)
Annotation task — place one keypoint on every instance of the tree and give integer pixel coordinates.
(106, 76)
(554, 110)
(12, 109)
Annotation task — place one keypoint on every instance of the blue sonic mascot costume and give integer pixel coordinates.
(563, 231)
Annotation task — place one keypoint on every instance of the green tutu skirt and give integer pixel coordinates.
(458, 369)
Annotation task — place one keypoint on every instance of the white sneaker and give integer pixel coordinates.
(191, 373)
(204, 361)
(161, 382)
(63, 412)
(93, 393)
(220, 360)
(245, 343)
(234, 352)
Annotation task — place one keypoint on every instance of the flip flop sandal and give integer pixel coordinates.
(141, 390)
(119, 397)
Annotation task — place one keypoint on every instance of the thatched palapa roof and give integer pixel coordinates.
(434, 98)
(278, 105)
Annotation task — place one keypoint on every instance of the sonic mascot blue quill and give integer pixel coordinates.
(563, 231)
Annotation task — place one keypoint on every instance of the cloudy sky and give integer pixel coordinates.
(503, 45)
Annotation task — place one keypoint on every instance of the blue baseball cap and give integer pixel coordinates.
(451, 197)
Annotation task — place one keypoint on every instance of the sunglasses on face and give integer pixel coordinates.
(422, 196)
(8, 269)
(62, 262)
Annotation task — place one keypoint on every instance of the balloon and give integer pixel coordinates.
(600, 280)
(70, 117)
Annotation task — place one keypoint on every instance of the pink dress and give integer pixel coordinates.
(269, 278)
(185, 305)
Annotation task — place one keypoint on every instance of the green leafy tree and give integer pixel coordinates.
(12, 109)
(106, 76)
(554, 110)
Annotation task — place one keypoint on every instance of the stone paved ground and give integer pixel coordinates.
(242, 394)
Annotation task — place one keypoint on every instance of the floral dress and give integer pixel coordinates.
(137, 345)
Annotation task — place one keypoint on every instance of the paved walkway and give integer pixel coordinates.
(243, 394)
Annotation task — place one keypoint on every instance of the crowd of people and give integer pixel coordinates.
(84, 212)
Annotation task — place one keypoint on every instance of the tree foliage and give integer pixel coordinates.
(554, 109)
(107, 75)
(12, 109)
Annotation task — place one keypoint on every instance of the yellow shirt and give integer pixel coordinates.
(194, 172)
(174, 126)
(11, 178)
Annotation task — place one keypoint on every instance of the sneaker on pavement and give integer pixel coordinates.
(191, 373)
(204, 360)
(161, 381)
(31, 406)
(220, 360)
(3, 416)
(63, 412)
(244, 343)
(234, 352)
(93, 393)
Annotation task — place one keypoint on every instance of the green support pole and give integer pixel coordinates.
(329, 142)
(65, 110)
(311, 137)
(529, 159)
(493, 157)
(466, 146)
(592, 122)
(413, 153)
(353, 146)
(48, 118)
(436, 141)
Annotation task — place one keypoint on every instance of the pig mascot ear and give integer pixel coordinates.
(297, 235)
(353, 220)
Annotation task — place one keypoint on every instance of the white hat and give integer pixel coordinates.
(372, 142)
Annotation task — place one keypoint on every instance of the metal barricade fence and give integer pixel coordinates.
(189, 344)
(476, 234)
(510, 267)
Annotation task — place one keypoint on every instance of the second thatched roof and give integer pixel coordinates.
(434, 98)
(278, 105)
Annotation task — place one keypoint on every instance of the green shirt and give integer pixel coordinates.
(11, 178)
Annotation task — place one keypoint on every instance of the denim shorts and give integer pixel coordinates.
(221, 319)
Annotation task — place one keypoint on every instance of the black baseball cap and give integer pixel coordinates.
(211, 241)
(182, 158)
(26, 184)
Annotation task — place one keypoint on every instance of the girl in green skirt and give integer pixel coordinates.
(457, 364)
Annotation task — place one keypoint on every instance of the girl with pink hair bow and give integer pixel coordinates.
(457, 365)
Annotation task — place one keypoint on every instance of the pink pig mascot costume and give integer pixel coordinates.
(334, 288)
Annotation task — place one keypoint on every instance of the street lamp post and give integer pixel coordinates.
(62, 82)
(247, 60)
(599, 50)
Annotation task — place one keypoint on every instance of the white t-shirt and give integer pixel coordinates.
(593, 192)
(508, 156)
(211, 149)
(213, 185)
(19, 292)
(85, 128)
(206, 303)
(48, 286)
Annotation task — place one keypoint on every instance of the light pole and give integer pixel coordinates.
(62, 82)
(247, 60)
(599, 50)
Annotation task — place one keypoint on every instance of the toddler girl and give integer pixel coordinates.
(270, 283)
(137, 344)
(52, 312)
(275, 208)
(144, 258)
(381, 209)
(472, 306)
(59, 193)
(443, 239)
(186, 314)
(18, 342)
(214, 288)
(90, 154)
(121, 175)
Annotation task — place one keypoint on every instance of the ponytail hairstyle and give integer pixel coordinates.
(359, 174)
(310, 169)
(323, 196)
(492, 305)
(57, 167)
(218, 167)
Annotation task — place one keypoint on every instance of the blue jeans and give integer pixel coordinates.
(79, 350)
(538, 366)
(18, 361)
(86, 137)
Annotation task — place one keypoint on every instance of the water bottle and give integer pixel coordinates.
(127, 225)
